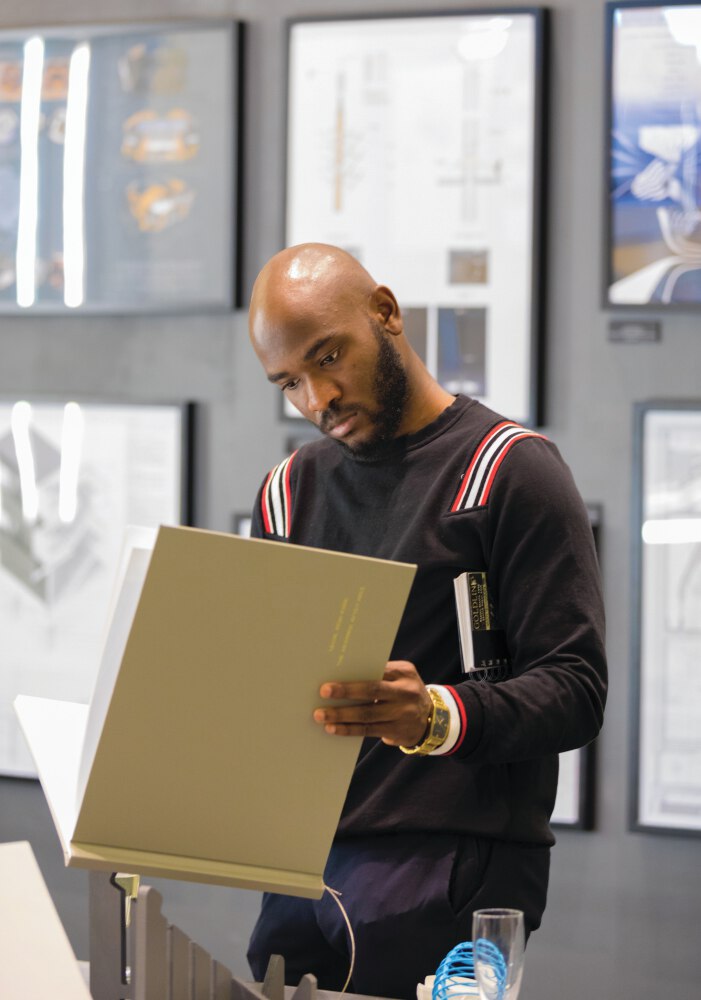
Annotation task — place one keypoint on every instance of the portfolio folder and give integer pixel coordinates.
(198, 757)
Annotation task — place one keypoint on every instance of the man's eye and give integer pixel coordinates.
(290, 385)
(329, 359)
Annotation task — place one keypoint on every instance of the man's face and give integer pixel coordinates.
(343, 374)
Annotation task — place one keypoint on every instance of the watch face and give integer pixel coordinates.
(441, 724)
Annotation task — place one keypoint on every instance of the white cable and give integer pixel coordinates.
(335, 894)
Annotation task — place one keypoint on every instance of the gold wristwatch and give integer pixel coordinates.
(437, 727)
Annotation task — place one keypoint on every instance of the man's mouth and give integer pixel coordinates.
(340, 428)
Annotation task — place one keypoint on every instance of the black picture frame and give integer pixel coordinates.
(74, 473)
(287, 411)
(578, 767)
(652, 251)
(120, 157)
(293, 442)
(469, 336)
(575, 804)
(665, 785)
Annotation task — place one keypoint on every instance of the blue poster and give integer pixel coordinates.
(655, 221)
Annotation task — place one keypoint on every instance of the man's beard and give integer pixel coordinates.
(391, 392)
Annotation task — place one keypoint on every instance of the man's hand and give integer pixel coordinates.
(396, 708)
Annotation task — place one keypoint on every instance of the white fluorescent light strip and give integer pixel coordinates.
(672, 531)
(71, 448)
(20, 421)
(74, 178)
(30, 107)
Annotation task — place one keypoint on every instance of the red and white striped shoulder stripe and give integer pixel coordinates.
(276, 500)
(479, 476)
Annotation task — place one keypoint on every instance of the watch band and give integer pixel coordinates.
(437, 727)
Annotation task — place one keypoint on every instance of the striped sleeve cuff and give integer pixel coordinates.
(458, 721)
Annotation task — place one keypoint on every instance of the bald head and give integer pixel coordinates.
(303, 279)
(332, 340)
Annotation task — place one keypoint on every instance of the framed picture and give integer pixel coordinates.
(72, 477)
(295, 441)
(667, 621)
(415, 142)
(287, 410)
(574, 805)
(653, 253)
(118, 167)
(241, 524)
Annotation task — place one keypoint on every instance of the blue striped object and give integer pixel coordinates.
(455, 976)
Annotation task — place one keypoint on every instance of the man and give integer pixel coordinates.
(449, 804)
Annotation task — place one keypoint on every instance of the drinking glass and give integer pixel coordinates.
(498, 943)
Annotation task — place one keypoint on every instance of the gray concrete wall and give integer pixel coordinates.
(622, 920)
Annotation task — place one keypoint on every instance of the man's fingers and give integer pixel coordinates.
(337, 729)
(352, 690)
(399, 669)
(369, 713)
(393, 709)
(341, 729)
(382, 690)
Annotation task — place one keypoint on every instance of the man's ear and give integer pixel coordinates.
(386, 309)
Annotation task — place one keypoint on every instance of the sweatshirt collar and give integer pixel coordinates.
(396, 449)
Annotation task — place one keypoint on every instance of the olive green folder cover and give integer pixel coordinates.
(198, 757)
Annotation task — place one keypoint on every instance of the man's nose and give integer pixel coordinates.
(321, 392)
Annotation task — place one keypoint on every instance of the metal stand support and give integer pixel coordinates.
(135, 954)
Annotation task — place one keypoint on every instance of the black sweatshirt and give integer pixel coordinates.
(468, 492)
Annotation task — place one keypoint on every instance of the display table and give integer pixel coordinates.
(37, 958)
